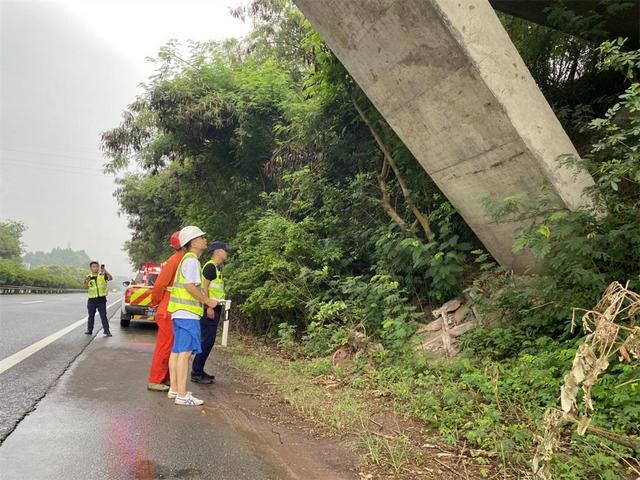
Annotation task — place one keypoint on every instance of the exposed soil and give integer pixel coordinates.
(274, 428)
(314, 451)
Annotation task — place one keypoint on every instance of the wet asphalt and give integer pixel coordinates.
(24, 320)
(98, 421)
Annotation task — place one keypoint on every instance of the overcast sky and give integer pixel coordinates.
(68, 68)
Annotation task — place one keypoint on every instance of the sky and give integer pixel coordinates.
(68, 69)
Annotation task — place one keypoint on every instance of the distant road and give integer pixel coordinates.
(27, 368)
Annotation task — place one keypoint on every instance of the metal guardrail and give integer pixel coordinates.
(23, 289)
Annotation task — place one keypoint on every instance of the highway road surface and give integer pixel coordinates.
(40, 335)
(77, 407)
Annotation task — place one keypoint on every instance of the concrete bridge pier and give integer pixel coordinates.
(449, 81)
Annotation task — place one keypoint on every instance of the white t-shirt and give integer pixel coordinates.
(191, 273)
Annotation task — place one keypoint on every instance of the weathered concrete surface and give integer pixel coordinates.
(448, 80)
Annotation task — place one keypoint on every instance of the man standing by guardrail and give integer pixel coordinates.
(213, 288)
(96, 283)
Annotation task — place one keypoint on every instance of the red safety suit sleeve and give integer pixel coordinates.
(165, 278)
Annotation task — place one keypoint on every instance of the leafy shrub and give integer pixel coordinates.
(322, 339)
(381, 306)
(496, 342)
(431, 270)
(58, 276)
(266, 272)
(285, 337)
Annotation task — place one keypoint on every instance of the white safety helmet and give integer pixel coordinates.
(189, 233)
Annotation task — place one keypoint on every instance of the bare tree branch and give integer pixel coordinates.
(422, 219)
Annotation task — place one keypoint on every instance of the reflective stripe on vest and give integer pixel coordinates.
(216, 286)
(98, 287)
(180, 298)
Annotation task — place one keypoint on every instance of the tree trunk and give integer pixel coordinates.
(386, 201)
(422, 219)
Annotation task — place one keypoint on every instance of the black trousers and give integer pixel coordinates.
(101, 307)
(208, 330)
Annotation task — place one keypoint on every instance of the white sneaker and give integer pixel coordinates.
(189, 400)
(171, 394)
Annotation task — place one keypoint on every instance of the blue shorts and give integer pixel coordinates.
(186, 335)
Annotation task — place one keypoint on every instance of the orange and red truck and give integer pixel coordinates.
(137, 296)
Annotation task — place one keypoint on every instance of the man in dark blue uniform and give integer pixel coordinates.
(97, 288)
(214, 288)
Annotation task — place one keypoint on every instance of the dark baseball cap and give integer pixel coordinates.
(213, 246)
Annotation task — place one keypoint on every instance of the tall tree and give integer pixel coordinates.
(11, 238)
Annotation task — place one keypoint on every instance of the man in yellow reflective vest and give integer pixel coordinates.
(97, 288)
(186, 308)
(214, 289)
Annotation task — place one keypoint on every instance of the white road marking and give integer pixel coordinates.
(26, 352)
(35, 301)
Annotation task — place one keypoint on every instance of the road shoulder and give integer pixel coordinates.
(99, 421)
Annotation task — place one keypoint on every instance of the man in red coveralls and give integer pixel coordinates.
(160, 298)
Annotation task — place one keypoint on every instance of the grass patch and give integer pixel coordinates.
(342, 409)
(487, 411)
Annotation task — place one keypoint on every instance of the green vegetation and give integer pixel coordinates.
(58, 256)
(12, 271)
(338, 233)
(10, 239)
(335, 406)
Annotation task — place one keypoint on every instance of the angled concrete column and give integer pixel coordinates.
(448, 80)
